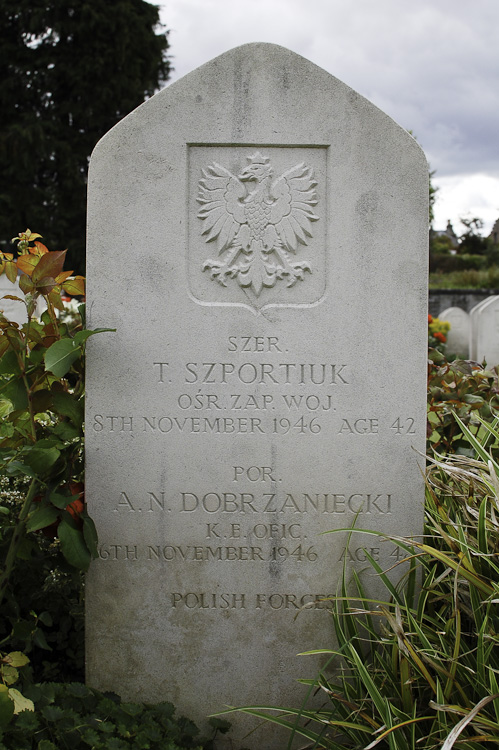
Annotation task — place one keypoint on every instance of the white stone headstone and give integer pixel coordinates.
(252, 229)
(487, 332)
(474, 326)
(458, 337)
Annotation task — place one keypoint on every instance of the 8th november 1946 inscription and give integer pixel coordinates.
(265, 233)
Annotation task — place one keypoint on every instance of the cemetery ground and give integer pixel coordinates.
(417, 670)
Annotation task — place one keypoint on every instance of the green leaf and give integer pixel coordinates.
(46, 745)
(44, 516)
(41, 460)
(60, 356)
(82, 336)
(73, 546)
(17, 659)
(9, 364)
(10, 675)
(68, 406)
(6, 706)
(66, 431)
(59, 499)
(20, 702)
(40, 640)
(46, 618)
(15, 391)
(90, 534)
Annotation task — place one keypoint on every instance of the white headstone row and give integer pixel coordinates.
(475, 335)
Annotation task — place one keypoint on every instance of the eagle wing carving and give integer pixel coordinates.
(220, 194)
(292, 210)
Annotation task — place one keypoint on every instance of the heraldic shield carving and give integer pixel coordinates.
(260, 221)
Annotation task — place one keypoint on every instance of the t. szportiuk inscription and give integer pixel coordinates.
(264, 384)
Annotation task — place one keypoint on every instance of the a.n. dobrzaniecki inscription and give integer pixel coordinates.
(257, 221)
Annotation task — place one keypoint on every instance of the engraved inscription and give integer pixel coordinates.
(257, 221)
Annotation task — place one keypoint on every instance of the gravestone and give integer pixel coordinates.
(252, 229)
(487, 332)
(458, 338)
(475, 327)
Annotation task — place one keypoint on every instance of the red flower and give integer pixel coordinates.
(440, 337)
(430, 319)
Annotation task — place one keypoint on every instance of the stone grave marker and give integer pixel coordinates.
(458, 338)
(252, 229)
(474, 316)
(487, 332)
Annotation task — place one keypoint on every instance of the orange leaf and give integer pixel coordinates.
(11, 271)
(55, 299)
(45, 285)
(25, 284)
(50, 264)
(40, 247)
(75, 286)
(63, 276)
(27, 263)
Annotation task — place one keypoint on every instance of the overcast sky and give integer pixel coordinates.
(432, 65)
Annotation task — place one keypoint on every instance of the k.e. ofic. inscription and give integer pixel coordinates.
(257, 221)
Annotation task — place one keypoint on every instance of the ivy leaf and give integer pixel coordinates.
(73, 545)
(60, 356)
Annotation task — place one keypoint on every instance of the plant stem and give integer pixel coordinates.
(17, 538)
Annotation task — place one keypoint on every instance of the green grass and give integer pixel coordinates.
(470, 279)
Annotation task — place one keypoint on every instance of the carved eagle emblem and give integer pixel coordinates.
(257, 221)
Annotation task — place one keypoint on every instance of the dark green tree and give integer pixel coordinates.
(471, 242)
(69, 71)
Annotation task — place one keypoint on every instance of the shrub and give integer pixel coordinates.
(437, 333)
(464, 388)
